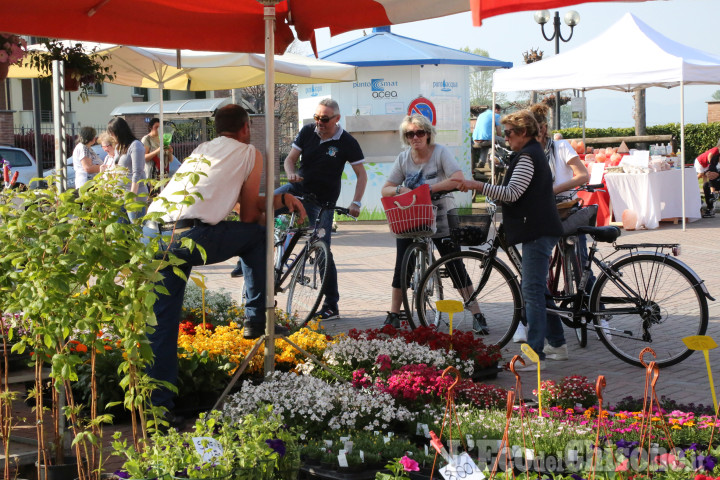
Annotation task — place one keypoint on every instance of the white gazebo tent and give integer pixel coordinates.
(638, 57)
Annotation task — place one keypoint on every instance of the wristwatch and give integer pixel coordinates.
(355, 202)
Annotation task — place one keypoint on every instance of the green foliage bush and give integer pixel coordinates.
(699, 137)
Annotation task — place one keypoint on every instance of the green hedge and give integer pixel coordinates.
(698, 137)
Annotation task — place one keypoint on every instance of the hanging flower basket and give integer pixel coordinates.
(72, 80)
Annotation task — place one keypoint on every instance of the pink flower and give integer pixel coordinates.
(384, 362)
(623, 467)
(409, 464)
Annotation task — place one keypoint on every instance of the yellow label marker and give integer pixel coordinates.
(450, 307)
(530, 354)
(704, 343)
(199, 280)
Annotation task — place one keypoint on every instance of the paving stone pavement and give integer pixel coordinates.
(365, 254)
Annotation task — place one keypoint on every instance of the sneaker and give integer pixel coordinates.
(530, 366)
(480, 325)
(327, 313)
(556, 353)
(392, 319)
(520, 335)
(237, 272)
(252, 331)
(708, 213)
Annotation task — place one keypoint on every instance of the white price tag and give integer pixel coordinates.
(464, 468)
(348, 446)
(328, 443)
(362, 456)
(386, 439)
(208, 448)
(344, 439)
(426, 430)
(342, 459)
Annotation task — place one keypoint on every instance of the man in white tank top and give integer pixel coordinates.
(230, 170)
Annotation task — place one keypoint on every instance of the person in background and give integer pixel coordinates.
(529, 217)
(231, 177)
(107, 142)
(130, 155)
(706, 166)
(483, 131)
(323, 148)
(153, 145)
(425, 162)
(568, 172)
(85, 161)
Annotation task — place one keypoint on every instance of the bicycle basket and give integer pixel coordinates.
(469, 226)
(414, 221)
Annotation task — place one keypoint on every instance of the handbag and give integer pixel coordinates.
(411, 213)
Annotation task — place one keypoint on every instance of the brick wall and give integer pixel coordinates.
(7, 133)
(713, 114)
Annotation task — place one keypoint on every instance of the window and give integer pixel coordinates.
(98, 88)
(140, 92)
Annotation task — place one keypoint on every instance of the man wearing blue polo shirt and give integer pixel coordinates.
(323, 148)
(484, 127)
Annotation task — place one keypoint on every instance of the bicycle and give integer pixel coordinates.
(302, 276)
(647, 297)
(420, 254)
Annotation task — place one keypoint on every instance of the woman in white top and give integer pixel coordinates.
(567, 168)
(130, 155)
(85, 161)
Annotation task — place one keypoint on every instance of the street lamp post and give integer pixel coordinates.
(571, 19)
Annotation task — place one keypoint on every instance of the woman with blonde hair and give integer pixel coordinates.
(529, 218)
(424, 162)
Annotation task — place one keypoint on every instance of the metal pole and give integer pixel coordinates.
(58, 69)
(556, 25)
(35, 83)
(161, 131)
(682, 149)
(269, 15)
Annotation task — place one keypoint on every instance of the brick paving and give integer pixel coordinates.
(364, 253)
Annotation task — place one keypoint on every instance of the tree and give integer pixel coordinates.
(481, 83)
(716, 95)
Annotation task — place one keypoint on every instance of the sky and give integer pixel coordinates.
(695, 23)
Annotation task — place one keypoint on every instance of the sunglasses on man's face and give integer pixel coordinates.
(415, 133)
(318, 118)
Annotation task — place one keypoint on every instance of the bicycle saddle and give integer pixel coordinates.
(602, 234)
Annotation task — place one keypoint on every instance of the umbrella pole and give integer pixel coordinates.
(269, 15)
(682, 149)
(161, 86)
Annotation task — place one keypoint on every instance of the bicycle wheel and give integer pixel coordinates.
(307, 282)
(571, 280)
(414, 264)
(462, 276)
(652, 301)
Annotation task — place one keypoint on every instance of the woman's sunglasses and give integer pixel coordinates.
(318, 118)
(417, 133)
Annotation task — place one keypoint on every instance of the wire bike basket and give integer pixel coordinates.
(412, 221)
(469, 226)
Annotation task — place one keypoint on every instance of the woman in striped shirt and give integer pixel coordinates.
(529, 216)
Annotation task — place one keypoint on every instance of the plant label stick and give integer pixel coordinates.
(704, 343)
(530, 353)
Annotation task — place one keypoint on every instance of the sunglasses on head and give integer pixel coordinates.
(416, 133)
(318, 118)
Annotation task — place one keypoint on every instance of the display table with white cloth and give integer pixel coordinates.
(654, 196)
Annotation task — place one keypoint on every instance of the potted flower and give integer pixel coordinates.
(12, 49)
(83, 69)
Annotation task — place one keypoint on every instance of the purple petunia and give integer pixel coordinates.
(277, 445)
